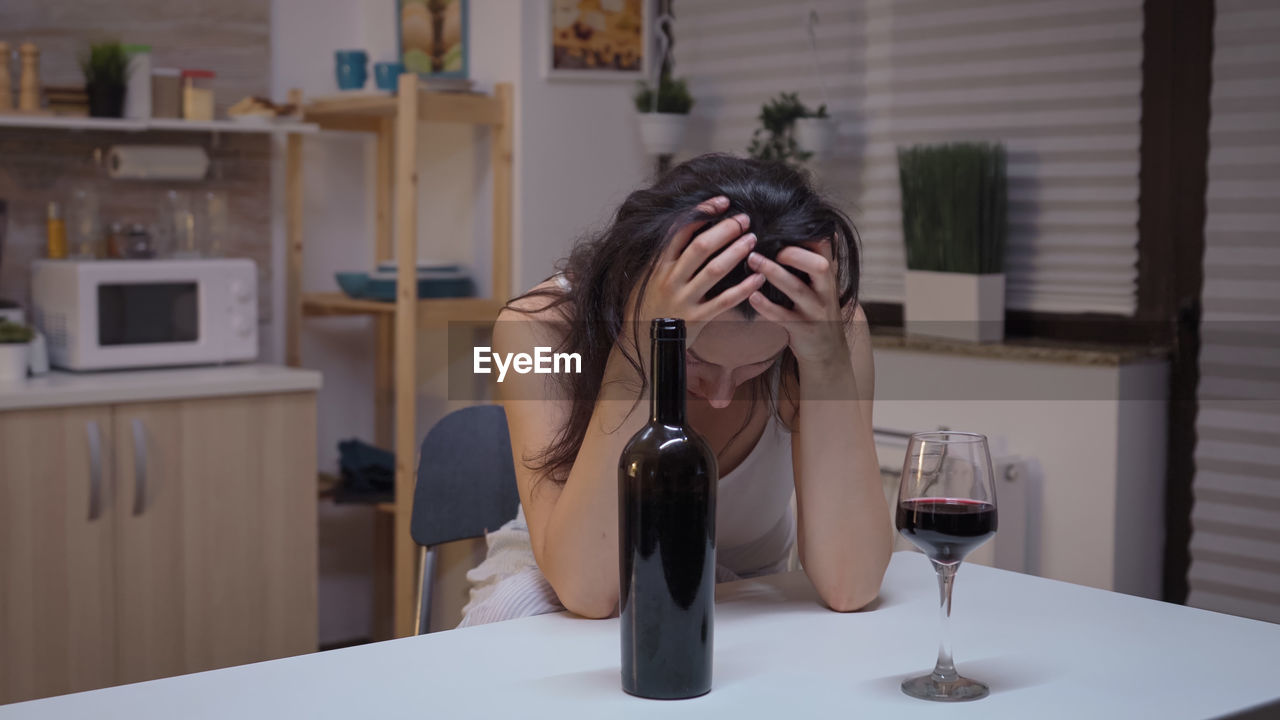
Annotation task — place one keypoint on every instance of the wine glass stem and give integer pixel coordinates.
(945, 670)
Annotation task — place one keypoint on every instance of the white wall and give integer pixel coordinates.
(577, 154)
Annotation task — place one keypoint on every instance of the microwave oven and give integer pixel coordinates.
(110, 314)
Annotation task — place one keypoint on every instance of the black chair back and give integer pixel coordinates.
(466, 478)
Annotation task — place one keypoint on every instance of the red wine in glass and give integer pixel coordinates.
(947, 507)
(946, 529)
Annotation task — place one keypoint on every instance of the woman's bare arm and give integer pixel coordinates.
(844, 536)
(572, 527)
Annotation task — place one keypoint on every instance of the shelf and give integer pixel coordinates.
(62, 122)
(366, 105)
(58, 122)
(234, 126)
(364, 112)
(431, 311)
(396, 125)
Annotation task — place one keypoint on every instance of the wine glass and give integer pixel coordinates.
(946, 507)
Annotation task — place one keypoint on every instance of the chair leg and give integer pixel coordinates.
(426, 571)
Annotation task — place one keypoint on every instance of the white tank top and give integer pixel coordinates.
(755, 528)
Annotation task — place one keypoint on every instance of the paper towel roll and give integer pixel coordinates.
(157, 162)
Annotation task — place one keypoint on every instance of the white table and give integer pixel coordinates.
(1048, 649)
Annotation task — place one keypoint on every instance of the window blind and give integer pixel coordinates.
(1235, 542)
(1057, 81)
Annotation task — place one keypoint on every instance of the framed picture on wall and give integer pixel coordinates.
(597, 39)
(433, 37)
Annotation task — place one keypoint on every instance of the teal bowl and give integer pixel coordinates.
(354, 284)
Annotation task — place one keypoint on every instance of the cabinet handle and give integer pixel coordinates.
(95, 469)
(139, 467)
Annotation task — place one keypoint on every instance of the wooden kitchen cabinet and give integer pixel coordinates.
(204, 555)
(57, 550)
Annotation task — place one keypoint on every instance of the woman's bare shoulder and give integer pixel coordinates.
(541, 303)
(536, 317)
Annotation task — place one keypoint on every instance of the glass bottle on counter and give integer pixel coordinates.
(137, 243)
(83, 224)
(216, 225)
(179, 221)
(117, 241)
(56, 233)
(667, 477)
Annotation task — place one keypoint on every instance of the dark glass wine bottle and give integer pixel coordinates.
(667, 537)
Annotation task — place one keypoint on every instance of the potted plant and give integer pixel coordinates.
(815, 131)
(105, 68)
(774, 139)
(663, 115)
(15, 341)
(954, 225)
(790, 132)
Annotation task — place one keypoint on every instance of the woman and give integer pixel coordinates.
(780, 382)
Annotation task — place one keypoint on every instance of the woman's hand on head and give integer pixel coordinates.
(680, 280)
(815, 326)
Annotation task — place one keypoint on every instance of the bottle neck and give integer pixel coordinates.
(667, 382)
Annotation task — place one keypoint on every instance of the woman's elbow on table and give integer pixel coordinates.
(851, 592)
(590, 608)
(849, 599)
(595, 603)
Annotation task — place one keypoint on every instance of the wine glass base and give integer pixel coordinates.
(927, 687)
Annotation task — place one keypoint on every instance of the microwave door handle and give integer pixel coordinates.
(139, 467)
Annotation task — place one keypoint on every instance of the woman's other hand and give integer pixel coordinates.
(680, 280)
(815, 327)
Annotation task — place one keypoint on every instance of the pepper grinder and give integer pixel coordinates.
(6, 80)
(29, 88)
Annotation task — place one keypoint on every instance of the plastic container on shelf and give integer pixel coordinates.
(137, 94)
(197, 95)
(166, 93)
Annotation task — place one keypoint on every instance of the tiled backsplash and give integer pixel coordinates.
(37, 166)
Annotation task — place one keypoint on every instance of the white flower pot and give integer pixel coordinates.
(13, 362)
(662, 133)
(955, 306)
(816, 135)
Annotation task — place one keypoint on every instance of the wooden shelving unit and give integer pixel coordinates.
(395, 121)
(59, 122)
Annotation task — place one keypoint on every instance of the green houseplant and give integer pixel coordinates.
(954, 225)
(105, 67)
(790, 132)
(15, 342)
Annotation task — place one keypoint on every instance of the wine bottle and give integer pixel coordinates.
(667, 537)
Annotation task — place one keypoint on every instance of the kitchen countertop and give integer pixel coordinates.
(62, 389)
(1037, 349)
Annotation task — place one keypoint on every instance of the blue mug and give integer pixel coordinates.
(387, 74)
(352, 68)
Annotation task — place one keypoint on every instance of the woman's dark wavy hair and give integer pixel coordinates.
(605, 268)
